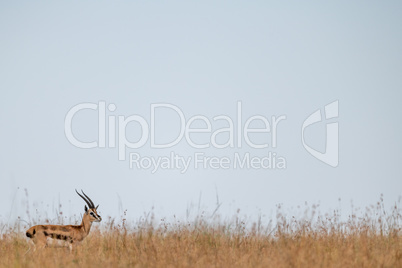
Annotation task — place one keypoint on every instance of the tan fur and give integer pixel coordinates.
(72, 234)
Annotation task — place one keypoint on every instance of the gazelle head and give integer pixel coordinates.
(91, 209)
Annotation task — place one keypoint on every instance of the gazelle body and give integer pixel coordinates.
(72, 234)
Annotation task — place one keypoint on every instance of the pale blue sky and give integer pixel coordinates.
(276, 58)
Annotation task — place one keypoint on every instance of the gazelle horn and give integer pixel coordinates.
(88, 201)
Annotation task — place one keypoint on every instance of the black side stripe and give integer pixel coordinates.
(58, 236)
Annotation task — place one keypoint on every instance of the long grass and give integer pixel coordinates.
(372, 239)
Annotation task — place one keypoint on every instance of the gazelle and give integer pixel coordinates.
(69, 233)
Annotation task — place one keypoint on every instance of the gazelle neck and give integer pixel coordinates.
(86, 224)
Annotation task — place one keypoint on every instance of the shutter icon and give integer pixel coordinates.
(331, 154)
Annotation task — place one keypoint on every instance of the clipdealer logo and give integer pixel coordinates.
(238, 133)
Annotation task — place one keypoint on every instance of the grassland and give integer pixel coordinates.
(372, 239)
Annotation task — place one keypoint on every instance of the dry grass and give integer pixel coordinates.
(371, 240)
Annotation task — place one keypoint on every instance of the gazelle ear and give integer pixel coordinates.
(97, 207)
(86, 209)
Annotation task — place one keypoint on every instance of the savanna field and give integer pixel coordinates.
(370, 238)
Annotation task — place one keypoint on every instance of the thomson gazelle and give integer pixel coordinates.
(69, 233)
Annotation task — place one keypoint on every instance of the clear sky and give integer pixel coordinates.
(204, 58)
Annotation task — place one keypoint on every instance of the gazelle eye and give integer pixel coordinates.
(92, 214)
